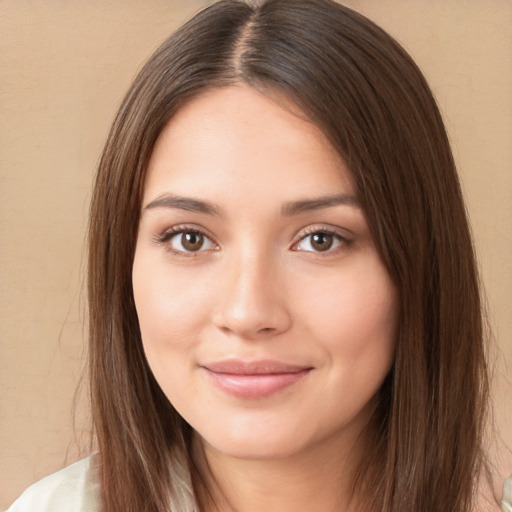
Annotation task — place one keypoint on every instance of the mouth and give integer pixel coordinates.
(256, 379)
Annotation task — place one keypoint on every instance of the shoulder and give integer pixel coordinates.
(506, 502)
(72, 489)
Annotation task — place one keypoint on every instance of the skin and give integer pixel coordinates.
(258, 288)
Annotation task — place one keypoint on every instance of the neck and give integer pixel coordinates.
(318, 478)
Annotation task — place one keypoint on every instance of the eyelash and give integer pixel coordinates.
(345, 242)
(165, 238)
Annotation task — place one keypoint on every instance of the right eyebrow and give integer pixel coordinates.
(188, 204)
(318, 203)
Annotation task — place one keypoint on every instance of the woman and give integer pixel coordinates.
(283, 297)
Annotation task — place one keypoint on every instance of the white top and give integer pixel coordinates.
(72, 489)
(76, 489)
(506, 502)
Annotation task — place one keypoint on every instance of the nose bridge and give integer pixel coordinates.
(253, 301)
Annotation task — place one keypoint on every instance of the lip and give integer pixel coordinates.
(254, 379)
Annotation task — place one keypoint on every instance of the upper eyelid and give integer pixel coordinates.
(342, 233)
(324, 231)
(165, 237)
(184, 228)
(323, 228)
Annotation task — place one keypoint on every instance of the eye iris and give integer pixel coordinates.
(192, 241)
(322, 241)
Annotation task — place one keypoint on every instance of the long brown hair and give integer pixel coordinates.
(369, 98)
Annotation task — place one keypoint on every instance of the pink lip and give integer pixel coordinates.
(252, 380)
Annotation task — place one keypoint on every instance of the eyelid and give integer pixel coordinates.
(164, 237)
(325, 227)
(343, 235)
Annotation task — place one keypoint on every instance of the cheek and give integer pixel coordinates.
(171, 309)
(354, 316)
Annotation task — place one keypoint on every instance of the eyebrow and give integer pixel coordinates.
(289, 209)
(317, 203)
(183, 203)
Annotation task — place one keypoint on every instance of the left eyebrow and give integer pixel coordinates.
(317, 203)
(183, 203)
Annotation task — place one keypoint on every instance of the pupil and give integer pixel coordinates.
(192, 241)
(322, 241)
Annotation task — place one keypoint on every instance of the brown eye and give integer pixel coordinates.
(192, 241)
(188, 242)
(322, 241)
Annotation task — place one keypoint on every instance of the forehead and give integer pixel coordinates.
(242, 139)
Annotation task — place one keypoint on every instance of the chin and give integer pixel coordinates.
(256, 448)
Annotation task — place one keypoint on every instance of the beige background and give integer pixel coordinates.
(64, 66)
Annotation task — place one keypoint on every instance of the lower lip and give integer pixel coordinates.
(253, 386)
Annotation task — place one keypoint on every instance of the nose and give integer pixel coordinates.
(252, 302)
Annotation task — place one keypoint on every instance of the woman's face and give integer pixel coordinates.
(267, 316)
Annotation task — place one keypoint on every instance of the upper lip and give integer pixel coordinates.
(261, 367)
